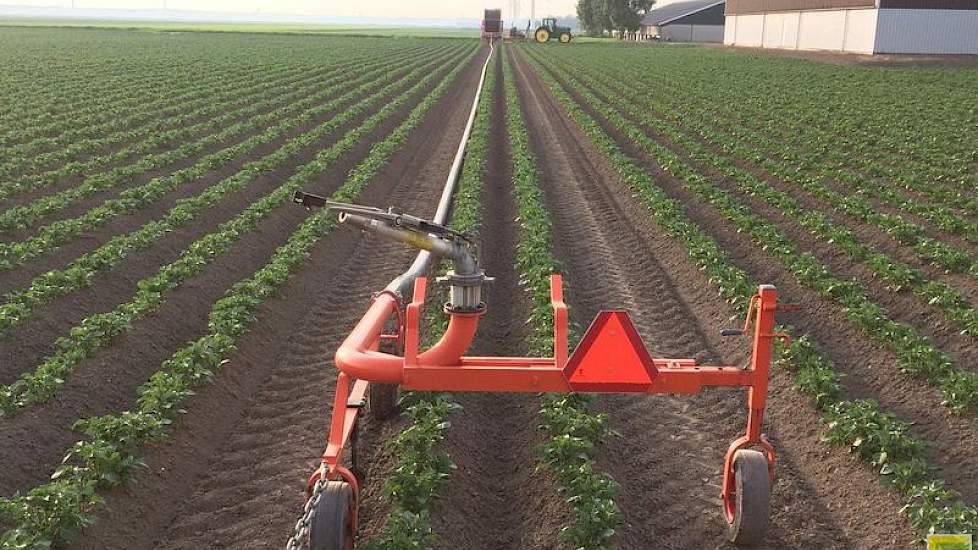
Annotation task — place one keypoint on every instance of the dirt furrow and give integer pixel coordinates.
(264, 419)
(34, 340)
(139, 352)
(494, 498)
(669, 458)
(870, 369)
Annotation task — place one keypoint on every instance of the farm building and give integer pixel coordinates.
(689, 21)
(859, 26)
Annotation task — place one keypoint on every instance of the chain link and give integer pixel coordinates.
(300, 533)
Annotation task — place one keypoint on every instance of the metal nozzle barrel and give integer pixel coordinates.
(420, 241)
(465, 281)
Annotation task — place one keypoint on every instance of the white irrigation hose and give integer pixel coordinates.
(404, 281)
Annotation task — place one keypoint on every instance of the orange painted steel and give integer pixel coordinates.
(611, 358)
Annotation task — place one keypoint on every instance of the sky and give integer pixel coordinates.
(445, 9)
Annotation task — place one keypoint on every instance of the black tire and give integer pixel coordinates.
(752, 514)
(382, 401)
(565, 38)
(332, 522)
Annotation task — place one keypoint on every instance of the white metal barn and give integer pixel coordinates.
(861, 26)
(689, 21)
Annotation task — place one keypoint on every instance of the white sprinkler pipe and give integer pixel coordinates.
(404, 281)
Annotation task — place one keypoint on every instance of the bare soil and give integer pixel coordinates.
(669, 458)
(233, 474)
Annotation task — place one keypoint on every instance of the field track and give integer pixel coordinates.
(117, 270)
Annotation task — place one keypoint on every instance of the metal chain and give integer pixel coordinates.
(300, 533)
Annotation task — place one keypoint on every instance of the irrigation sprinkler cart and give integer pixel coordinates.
(611, 358)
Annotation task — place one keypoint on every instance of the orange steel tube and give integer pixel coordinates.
(356, 356)
(457, 338)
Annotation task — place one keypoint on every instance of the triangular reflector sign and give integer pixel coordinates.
(611, 357)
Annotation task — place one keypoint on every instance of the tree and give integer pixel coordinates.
(590, 16)
(624, 16)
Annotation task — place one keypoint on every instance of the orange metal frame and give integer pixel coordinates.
(444, 368)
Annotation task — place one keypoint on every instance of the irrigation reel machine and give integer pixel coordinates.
(611, 358)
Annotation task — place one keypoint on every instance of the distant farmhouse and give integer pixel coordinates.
(688, 21)
(861, 26)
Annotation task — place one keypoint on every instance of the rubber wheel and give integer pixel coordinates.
(565, 37)
(752, 501)
(332, 525)
(542, 35)
(382, 401)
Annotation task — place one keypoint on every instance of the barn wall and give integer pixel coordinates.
(740, 7)
(691, 33)
(838, 30)
(677, 33)
(745, 30)
(929, 4)
(861, 31)
(927, 31)
(730, 30)
(708, 33)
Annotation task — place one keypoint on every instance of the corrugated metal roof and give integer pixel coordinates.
(673, 11)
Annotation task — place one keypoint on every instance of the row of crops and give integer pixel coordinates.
(195, 144)
(755, 159)
(572, 430)
(295, 121)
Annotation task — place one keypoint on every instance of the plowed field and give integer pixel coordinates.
(169, 317)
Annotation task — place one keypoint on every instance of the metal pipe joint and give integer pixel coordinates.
(465, 281)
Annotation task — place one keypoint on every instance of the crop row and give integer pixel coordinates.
(145, 81)
(55, 234)
(822, 157)
(916, 354)
(922, 167)
(828, 153)
(862, 173)
(573, 430)
(100, 329)
(54, 511)
(153, 118)
(47, 128)
(872, 434)
(213, 105)
(139, 141)
(955, 306)
(805, 111)
(142, 130)
(422, 468)
(896, 275)
(82, 272)
(26, 53)
(252, 116)
(881, 112)
(804, 147)
(85, 128)
(29, 119)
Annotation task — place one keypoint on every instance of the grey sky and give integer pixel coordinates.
(357, 8)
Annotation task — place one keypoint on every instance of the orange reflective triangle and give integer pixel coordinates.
(611, 357)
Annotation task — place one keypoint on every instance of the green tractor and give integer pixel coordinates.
(549, 30)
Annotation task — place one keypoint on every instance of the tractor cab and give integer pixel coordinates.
(548, 30)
